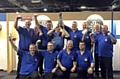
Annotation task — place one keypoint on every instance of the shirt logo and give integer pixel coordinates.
(72, 58)
(87, 37)
(75, 36)
(55, 59)
(106, 40)
(86, 59)
(36, 60)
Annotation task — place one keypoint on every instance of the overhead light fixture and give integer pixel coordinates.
(17, 12)
(45, 9)
(83, 7)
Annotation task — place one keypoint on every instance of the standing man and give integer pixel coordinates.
(105, 51)
(75, 35)
(25, 38)
(86, 36)
(58, 37)
(29, 62)
(97, 63)
(85, 62)
(66, 60)
(45, 38)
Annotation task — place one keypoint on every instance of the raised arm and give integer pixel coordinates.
(36, 21)
(16, 22)
(112, 38)
(13, 45)
(65, 33)
(51, 31)
(36, 44)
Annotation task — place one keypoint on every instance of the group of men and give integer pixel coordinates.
(46, 43)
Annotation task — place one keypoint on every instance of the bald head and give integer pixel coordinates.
(69, 44)
(97, 28)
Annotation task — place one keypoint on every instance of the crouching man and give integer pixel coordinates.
(30, 61)
(85, 62)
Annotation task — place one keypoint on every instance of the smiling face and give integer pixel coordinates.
(82, 45)
(84, 26)
(97, 28)
(27, 23)
(32, 49)
(49, 24)
(69, 44)
(74, 25)
(50, 46)
(104, 29)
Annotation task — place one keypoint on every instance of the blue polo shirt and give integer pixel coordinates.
(25, 38)
(75, 37)
(96, 35)
(67, 59)
(45, 38)
(50, 60)
(87, 40)
(84, 60)
(29, 63)
(36, 37)
(59, 41)
(105, 46)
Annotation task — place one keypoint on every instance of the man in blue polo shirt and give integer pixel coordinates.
(105, 51)
(85, 62)
(30, 61)
(75, 35)
(25, 38)
(66, 60)
(45, 37)
(96, 35)
(50, 61)
(86, 36)
(58, 37)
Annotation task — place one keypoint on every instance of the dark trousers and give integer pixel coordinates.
(97, 64)
(19, 66)
(106, 67)
(82, 74)
(49, 75)
(41, 62)
(62, 74)
(33, 75)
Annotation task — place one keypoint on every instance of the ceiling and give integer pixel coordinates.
(58, 5)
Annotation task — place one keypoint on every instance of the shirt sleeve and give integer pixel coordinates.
(20, 29)
(21, 52)
(67, 28)
(91, 58)
(95, 37)
(43, 52)
(75, 56)
(59, 56)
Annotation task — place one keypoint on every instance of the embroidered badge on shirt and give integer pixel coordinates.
(106, 40)
(36, 60)
(85, 59)
(72, 58)
(75, 36)
(55, 59)
(87, 37)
